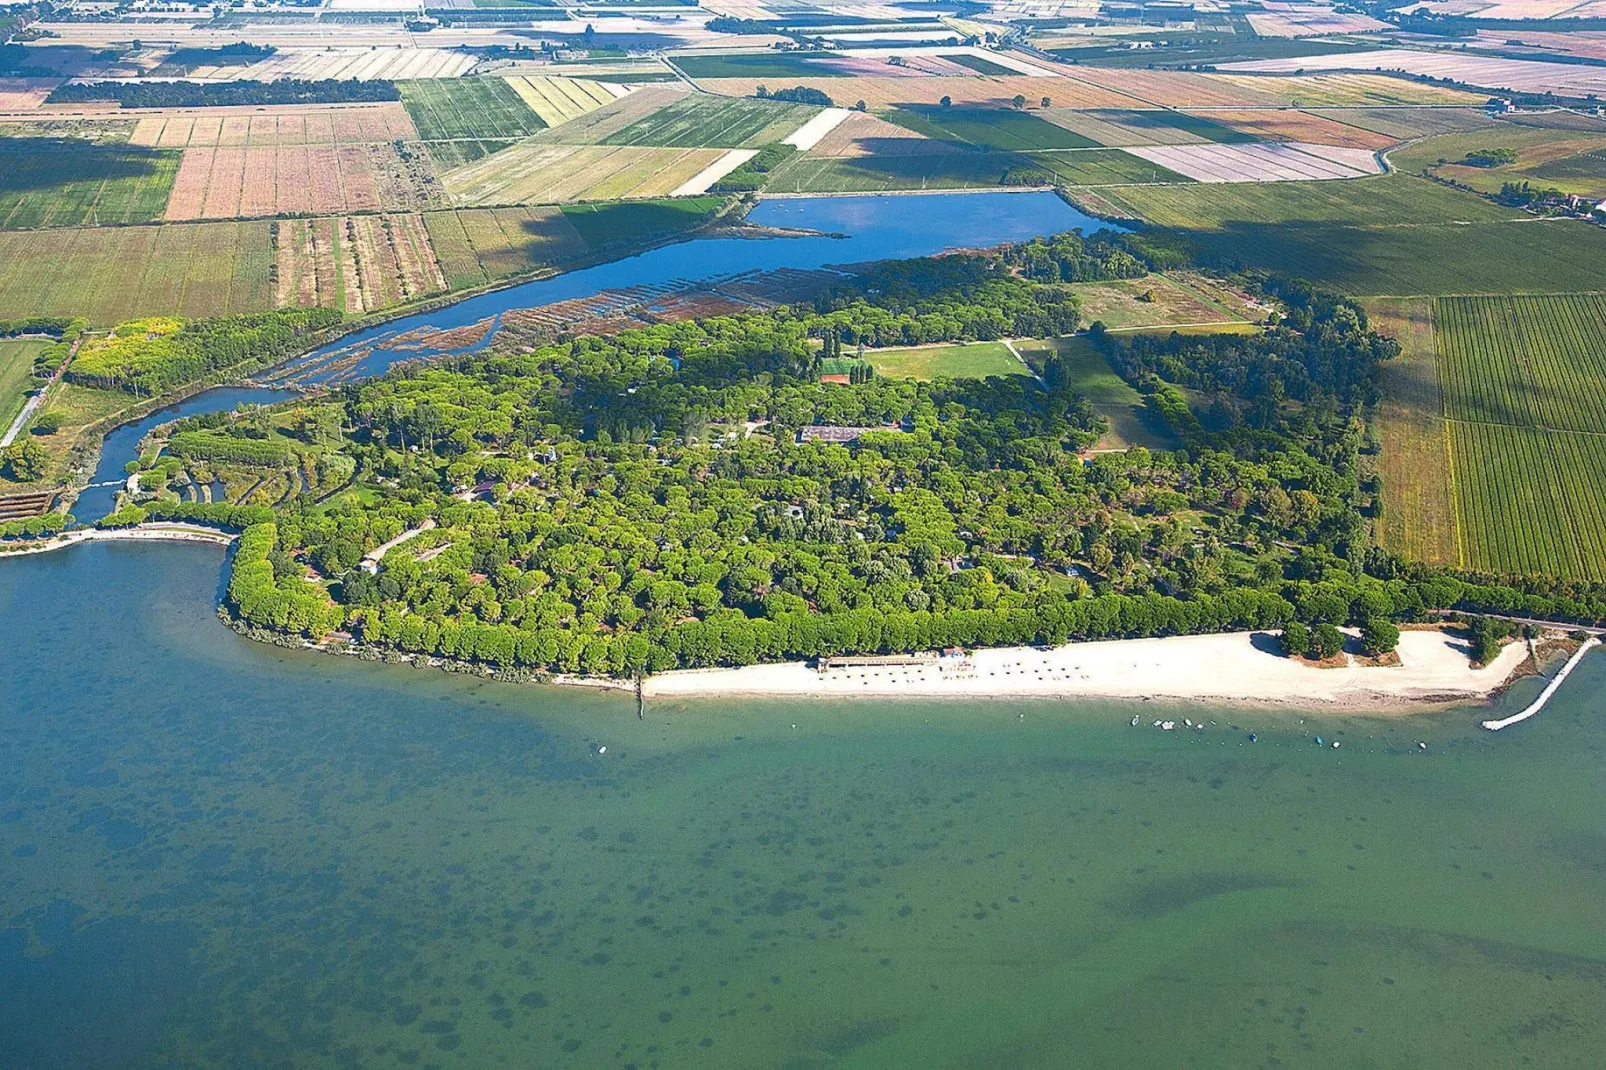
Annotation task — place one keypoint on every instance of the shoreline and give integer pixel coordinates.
(1434, 671)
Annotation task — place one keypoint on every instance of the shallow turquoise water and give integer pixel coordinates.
(221, 853)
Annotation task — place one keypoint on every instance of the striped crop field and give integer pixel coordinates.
(557, 100)
(700, 122)
(1523, 381)
(449, 109)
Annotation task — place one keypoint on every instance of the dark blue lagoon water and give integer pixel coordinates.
(219, 853)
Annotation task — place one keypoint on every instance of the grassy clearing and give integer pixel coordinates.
(446, 109)
(64, 182)
(1159, 300)
(968, 360)
(1524, 387)
(1419, 515)
(16, 368)
(990, 128)
(714, 122)
(1132, 423)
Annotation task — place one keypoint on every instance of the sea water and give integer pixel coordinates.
(217, 852)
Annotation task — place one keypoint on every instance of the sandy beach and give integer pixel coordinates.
(155, 531)
(1234, 668)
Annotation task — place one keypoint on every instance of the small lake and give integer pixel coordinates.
(220, 853)
(874, 227)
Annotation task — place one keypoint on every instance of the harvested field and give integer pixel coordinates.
(558, 100)
(478, 246)
(58, 182)
(595, 127)
(473, 108)
(25, 94)
(882, 93)
(1402, 124)
(539, 171)
(704, 121)
(1278, 162)
(361, 63)
(1489, 72)
(1156, 127)
(268, 126)
(1301, 126)
(989, 128)
(356, 263)
(221, 183)
(108, 274)
(861, 134)
(1099, 167)
(1186, 89)
(1418, 503)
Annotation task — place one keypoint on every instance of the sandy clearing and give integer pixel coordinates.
(715, 171)
(809, 134)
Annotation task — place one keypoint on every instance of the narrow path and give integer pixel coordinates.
(1550, 689)
(370, 560)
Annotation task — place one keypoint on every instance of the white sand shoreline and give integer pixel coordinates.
(154, 531)
(1238, 668)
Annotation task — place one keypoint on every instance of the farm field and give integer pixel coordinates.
(595, 127)
(1402, 124)
(178, 128)
(969, 360)
(1419, 514)
(1099, 167)
(1302, 126)
(809, 173)
(1268, 162)
(880, 93)
(603, 225)
(540, 171)
(67, 182)
(1572, 160)
(479, 109)
(482, 245)
(109, 274)
(714, 122)
(558, 100)
(1131, 422)
(990, 128)
(1386, 199)
(1189, 89)
(355, 263)
(1489, 72)
(225, 183)
(1524, 388)
(1510, 257)
(16, 369)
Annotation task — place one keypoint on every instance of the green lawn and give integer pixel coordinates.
(447, 109)
(16, 365)
(968, 360)
(1132, 423)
